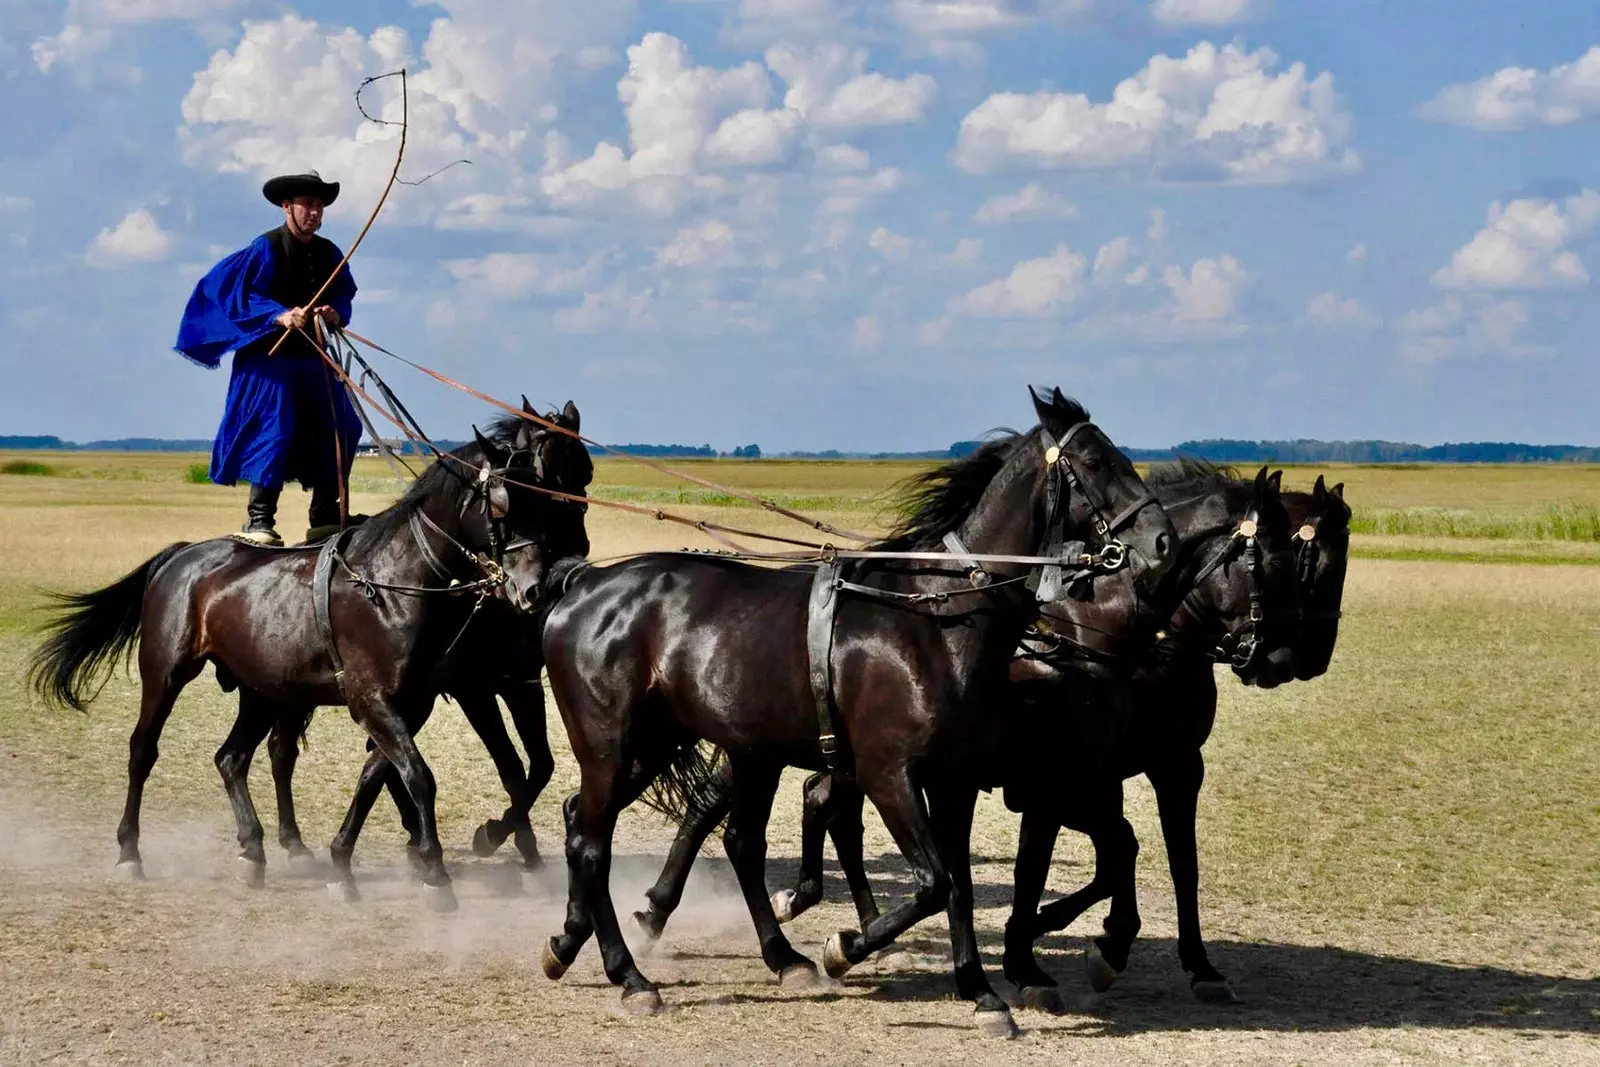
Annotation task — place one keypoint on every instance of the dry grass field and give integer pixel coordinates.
(1399, 861)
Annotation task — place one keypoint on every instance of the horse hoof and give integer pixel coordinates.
(551, 964)
(129, 870)
(783, 905)
(651, 932)
(527, 843)
(344, 893)
(1102, 976)
(799, 976)
(249, 872)
(834, 961)
(440, 899)
(641, 1002)
(997, 1024)
(1045, 998)
(1215, 992)
(303, 862)
(483, 845)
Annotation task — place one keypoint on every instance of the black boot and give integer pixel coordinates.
(323, 518)
(262, 511)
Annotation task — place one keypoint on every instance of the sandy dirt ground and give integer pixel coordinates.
(193, 967)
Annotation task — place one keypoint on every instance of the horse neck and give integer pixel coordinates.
(1202, 522)
(1005, 521)
(401, 559)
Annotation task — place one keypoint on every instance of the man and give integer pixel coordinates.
(283, 410)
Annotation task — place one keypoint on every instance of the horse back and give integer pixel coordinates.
(715, 646)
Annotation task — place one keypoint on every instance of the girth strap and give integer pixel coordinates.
(819, 649)
(321, 595)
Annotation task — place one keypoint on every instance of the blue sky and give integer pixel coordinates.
(859, 224)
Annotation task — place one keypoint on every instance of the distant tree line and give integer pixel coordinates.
(1218, 450)
(1223, 450)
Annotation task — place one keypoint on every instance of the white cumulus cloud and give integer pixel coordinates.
(1470, 325)
(683, 120)
(1176, 14)
(138, 238)
(1028, 204)
(1208, 292)
(1215, 114)
(831, 87)
(1034, 288)
(1329, 312)
(1526, 244)
(1516, 98)
(92, 26)
(487, 81)
(694, 245)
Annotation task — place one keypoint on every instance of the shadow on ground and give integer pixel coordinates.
(1282, 987)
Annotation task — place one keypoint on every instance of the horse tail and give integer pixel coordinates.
(689, 785)
(89, 634)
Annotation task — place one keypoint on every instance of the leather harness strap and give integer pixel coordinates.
(321, 599)
(819, 648)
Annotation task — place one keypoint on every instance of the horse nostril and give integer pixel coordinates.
(1163, 545)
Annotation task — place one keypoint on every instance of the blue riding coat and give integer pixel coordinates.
(282, 410)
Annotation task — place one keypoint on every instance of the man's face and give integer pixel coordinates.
(303, 215)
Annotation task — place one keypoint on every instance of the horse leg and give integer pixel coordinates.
(1177, 787)
(483, 715)
(900, 804)
(667, 893)
(1036, 842)
(389, 731)
(1115, 847)
(591, 821)
(256, 717)
(745, 839)
(788, 904)
(283, 748)
(832, 806)
(525, 702)
(950, 810)
(841, 814)
(161, 682)
(403, 804)
(374, 777)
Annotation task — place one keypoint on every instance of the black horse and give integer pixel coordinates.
(650, 657)
(399, 590)
(1241, 584)
(1173, 704)
(497, 655)
(1166, 716)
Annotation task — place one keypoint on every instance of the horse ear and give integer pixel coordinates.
(491, 452)
(1319, 491)
(569, 417)
(1258, 495)
(1275, 481)
(1042, 408)
(1338, 491)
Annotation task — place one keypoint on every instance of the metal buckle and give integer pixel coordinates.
(1113, 555)
(829, 743)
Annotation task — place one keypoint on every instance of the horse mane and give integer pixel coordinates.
(1191, 472)
(443, 479)
(933, 503)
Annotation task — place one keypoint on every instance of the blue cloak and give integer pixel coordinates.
(279, 420)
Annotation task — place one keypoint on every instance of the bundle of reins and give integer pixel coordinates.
(1110, 557)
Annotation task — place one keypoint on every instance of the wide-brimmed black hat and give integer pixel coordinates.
(288, 186)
